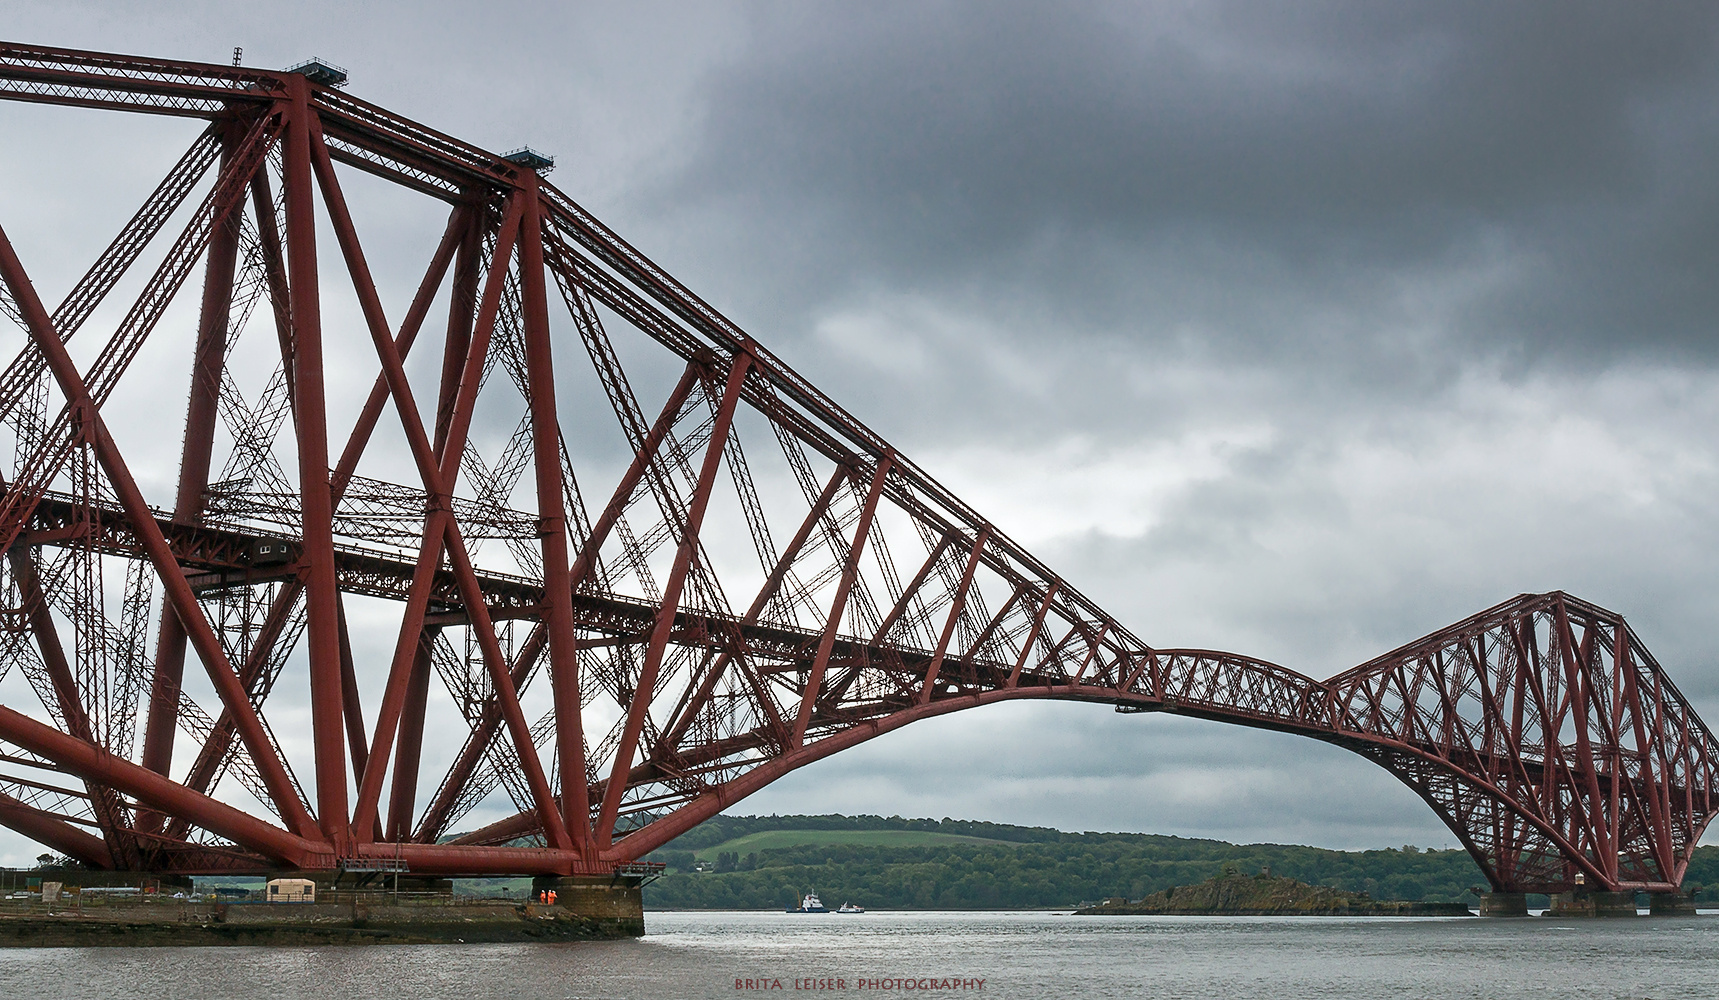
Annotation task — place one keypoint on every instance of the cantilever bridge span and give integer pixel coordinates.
(511, 567)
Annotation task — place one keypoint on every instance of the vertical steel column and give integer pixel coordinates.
(207, 364)
(439, 519)
(353, 710)
(1578, 678)
(352, 705)
(317, 563)
(552, 523)
(263, 205)
(437, 482)
(483, 330)
(462, 304)
(1510, 850)
(409, 742)
(1655, 785)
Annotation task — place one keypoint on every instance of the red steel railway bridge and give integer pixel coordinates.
(588, 596)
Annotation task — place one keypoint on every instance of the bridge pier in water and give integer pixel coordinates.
(332, 880)
(613, 902)
(1585, 903)
(1671, 904)
(1504, 904)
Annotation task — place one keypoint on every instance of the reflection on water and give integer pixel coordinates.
(1018, 955)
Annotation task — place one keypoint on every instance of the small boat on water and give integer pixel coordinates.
(811, 904)
(851, 908)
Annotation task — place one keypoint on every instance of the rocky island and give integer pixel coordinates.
(1267, 895)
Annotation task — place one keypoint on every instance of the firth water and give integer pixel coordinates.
(918, 954)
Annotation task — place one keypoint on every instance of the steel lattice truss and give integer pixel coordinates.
(687, 622)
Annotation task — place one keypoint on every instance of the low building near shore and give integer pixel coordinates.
(291, 890)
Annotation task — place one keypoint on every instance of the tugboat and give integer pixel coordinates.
(851, 908)
(811, 904)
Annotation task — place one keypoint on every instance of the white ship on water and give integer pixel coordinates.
(851, 908)
(811, 904)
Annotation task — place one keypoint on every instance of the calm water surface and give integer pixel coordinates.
(1018, 955)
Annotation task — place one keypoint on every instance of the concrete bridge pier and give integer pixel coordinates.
(614, 902)
(351, 881)
(1671, 904)
(1504, 904)
(1587, 903)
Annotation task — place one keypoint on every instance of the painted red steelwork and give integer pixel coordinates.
(1541, 731)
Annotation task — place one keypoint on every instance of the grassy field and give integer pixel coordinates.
(768, 839)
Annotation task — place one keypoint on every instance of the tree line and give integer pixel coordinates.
(1034, 867)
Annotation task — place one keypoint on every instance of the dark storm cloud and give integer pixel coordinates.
(1239, 166)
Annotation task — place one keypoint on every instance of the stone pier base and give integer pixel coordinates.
(354, 921)
(615, 903)
(1583, 903)
(1671, 904)
(1504, 904)
(339, 881)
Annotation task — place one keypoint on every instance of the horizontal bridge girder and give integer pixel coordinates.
(1541, 731)
(219, 558)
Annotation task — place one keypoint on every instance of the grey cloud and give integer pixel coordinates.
(1174, 164)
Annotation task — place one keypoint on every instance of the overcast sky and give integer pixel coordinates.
(1293, 329)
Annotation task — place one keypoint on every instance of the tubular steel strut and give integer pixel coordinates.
(605, 681)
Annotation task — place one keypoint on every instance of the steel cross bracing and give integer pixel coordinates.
(631, 622)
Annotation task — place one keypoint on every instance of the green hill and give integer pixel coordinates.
(761, 862)
(768, 840)
(1267, 895)
(764, 862)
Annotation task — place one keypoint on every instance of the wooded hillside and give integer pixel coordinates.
(965, 864)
